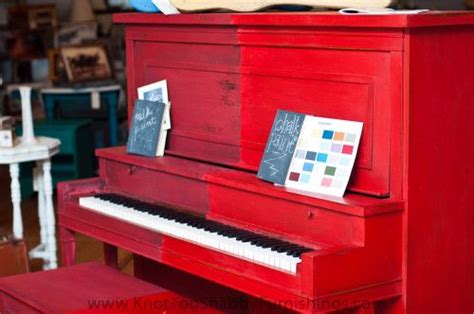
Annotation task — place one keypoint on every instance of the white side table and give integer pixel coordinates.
(41, 152)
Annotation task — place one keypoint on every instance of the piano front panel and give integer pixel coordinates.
(139, 182)
(296, 220)
(216, 72)
(356, 87)
(204, 87)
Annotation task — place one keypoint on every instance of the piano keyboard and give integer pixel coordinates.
(264, 250)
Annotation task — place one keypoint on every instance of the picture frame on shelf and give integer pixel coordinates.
(86, 62)
(56, 70)
(157, 91)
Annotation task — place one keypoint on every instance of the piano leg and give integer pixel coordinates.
(110, 255)
(67, 242)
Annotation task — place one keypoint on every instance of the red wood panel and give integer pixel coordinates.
(226, 85)
(351, 203)
(356, 87)
(208, 292)
(9, 304)
(70, 289)
(328, 19)
(141, 176)
(440, 237)
(189, 193)
(293, 220)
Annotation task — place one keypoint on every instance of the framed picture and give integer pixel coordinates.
(56, 69)
(86, 62)
(157, 91)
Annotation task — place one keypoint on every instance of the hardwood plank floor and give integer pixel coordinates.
(88, 249)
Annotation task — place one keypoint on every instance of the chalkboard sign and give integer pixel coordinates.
(147, 121)
(280, 147)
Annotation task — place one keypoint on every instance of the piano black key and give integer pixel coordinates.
(213, 227)
(265, 242)
(228, 233)
(285, 248)
(296, 252)
(260, 241)
(243, 235)
(249, 238)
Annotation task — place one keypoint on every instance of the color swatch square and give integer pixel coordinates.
(350, 137)
(322, 157)
(339, 136)
(328, 134)
(338, 183)
(310, 155)
(326, 182)
(300, 154)
(316, 133)
(341, 172)
(294, 176)
(347, 149)
(330, 171)
(332, 159)
(344, 161)
(336, 148)
(325, 146)
(304, 178)
(308, 167)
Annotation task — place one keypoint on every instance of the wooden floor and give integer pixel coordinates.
(87, 249)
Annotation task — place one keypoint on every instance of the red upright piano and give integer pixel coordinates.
(399, 241)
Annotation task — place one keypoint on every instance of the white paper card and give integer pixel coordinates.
(324, 156)
(158, 91)
(165, 7)
(385, 11)
(95, 100)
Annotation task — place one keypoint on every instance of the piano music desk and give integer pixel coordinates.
(399, 241)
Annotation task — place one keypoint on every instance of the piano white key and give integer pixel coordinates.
(183, 231)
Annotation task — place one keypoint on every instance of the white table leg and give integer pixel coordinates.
(16, 199)
(49, 213)
(38, 179)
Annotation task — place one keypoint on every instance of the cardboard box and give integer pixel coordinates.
(6, 122)
(13, 256)
(7, 137)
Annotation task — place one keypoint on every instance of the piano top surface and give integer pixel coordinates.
(322, 19)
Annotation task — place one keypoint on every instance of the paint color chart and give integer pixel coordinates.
(324, 156)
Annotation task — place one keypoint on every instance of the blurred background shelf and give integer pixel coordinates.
(75, 159)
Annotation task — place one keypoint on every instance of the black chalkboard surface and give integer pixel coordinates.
(145, 131)
(280, 147)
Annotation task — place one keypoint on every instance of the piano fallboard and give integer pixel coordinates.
(239, 197)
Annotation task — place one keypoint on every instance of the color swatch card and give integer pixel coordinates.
(324, 156)
(310, 153)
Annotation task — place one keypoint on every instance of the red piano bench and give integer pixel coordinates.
(90, 288)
